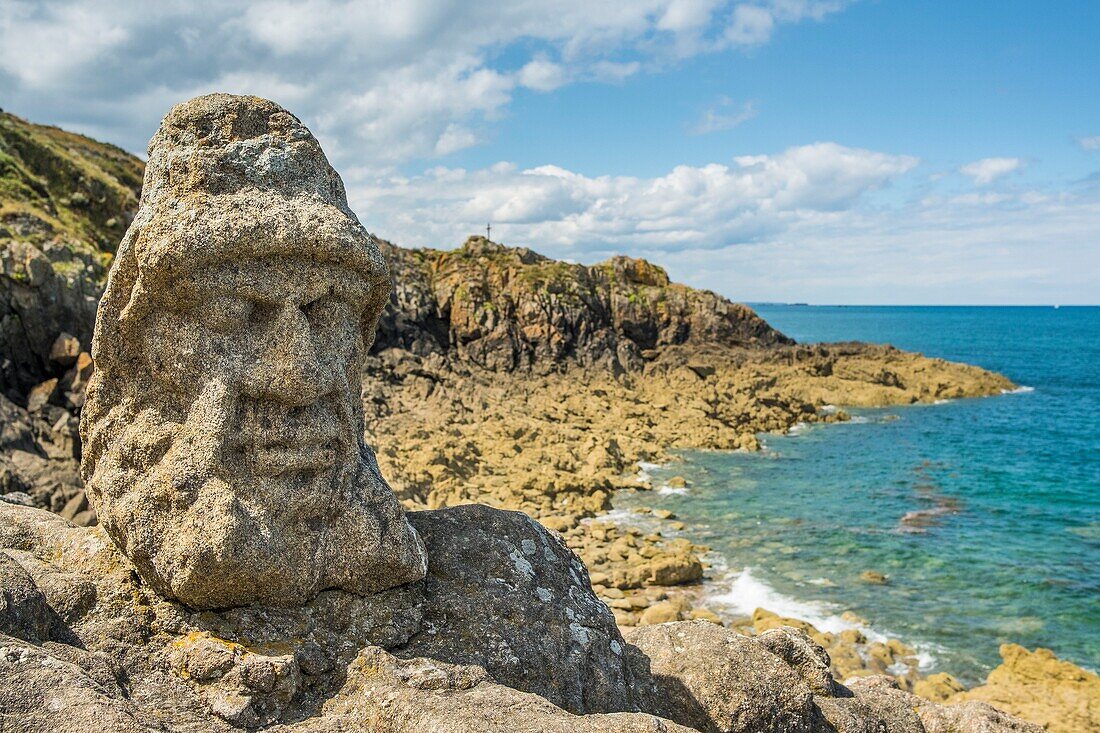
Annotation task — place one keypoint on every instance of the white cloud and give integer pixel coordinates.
(752, 24)
(1089, 143)
(569, 213)
(41, 43)
(379, 82)
(542, 75)
(687, 15)
(804, 224)
(928, 252)
(985, 171)
(454, 138)
(724, 116)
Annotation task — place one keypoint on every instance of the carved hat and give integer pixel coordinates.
(232, 178)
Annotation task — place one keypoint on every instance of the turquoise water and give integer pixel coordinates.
(984, 513)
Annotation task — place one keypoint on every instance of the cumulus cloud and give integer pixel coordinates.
(542, 75)
(931, 251)
(804, 224)
(380, 82)
(985, 171)
(752, 24)
(724, 115)
(571, 214)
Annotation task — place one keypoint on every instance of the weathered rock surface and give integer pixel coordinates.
(713, 679)
(39, 456)
(65, 201)
(545, 617)
(883, 695)
(388, 695)
(87, 644)
(93, 640)
(1040, 687)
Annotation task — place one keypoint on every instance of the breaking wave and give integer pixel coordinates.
(746, 593)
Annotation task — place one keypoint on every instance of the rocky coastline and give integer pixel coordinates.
(498, 377)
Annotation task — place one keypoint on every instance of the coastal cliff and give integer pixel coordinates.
(498, 376)
(507, 308)
(65, 201)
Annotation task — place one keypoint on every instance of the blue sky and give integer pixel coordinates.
(832, 151)
(948, 81)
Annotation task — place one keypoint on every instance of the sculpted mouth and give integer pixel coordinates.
(272, 441)
(276, 458)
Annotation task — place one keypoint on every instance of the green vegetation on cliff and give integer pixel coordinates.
(65, 202)
(57, 184)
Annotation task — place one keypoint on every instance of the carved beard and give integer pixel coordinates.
(239, 439)
(180, 474)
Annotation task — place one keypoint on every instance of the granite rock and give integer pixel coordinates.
(222, 431)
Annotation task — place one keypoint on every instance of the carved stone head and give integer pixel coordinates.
(223, 429)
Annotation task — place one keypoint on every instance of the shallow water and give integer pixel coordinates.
(985, 513)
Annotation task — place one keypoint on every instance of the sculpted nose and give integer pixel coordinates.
(290, 368)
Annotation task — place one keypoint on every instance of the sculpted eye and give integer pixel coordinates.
(325, 312)
(261, 313)
(226, 313)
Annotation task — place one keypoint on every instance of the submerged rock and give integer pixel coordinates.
(223, 445)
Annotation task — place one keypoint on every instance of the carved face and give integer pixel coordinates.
(284, 340)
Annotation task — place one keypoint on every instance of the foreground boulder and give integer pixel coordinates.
(223, 447)
(546, 633)
(714, 679)
(477, 643)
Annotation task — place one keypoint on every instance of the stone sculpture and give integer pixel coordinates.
(223, 427)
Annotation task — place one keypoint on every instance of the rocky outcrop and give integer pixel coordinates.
(881, 694)
(1038, 686)
(88, 638)
(254, 570)
(39, 455)
(560, 443)
(65, 201)
(476, 645)
(547, 632)
(509, 308)
(741, 687)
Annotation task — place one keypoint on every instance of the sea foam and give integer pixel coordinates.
(645, 471)
(1019, 390)
(747, 593)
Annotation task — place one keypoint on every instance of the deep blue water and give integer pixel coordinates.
(1006, 542)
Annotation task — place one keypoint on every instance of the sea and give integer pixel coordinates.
(984, 514)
